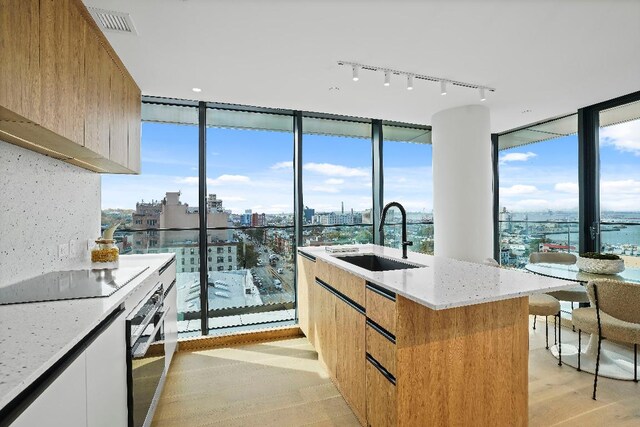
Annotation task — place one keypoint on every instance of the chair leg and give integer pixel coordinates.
(534, 322)
(595, 379)
(579, 347)
(546, 331)
(560, 338)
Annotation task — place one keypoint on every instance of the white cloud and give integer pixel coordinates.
(516, 190)
(229, 179)
(627, 186)
(334, 181)
(189, 180)
(624, 137)
(335, 170)
(283, 165)
(321, 189)
(231, 198)
(516, 157)
(566, 187)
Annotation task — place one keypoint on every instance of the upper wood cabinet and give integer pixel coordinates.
(63, 90)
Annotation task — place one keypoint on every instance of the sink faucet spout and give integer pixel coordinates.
(405, 243)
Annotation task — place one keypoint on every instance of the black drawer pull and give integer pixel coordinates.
(381, 369)
(164, 267)
(340, 295)
(381, 291)
(382, 331)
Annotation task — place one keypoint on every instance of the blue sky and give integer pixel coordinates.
(253, 170)
(545, 175)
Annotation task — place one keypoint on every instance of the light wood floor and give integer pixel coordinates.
(282, 384)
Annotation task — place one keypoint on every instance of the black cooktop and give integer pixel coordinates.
(64, 285)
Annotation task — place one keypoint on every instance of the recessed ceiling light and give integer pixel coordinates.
(196, 89)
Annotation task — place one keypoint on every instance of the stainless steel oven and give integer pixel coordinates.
(146, 356)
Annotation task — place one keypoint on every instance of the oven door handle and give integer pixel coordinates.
(138, 351)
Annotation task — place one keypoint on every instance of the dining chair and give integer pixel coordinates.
(615, 316)
(575, 294)
(540, 305)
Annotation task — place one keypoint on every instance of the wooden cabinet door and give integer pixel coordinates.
(381, 398)
(350, 338)
(20, 53)
(118, 136)
(306, 277)
(97, 96)
(134, 104)
(62, 45)
(325, 315)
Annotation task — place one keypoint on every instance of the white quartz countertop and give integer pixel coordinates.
(442, 283)
(33, 336)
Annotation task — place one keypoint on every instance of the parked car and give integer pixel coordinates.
(280, 271)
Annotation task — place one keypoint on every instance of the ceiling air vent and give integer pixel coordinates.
(110, 20)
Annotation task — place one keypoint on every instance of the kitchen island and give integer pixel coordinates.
(440, 342)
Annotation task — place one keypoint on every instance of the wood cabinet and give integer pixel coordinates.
(63, 91)
(350, 367)
(398, 362)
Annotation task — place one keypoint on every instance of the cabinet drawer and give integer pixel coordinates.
(381, 396)
(344, 282)
(381, 307)
(381, 346)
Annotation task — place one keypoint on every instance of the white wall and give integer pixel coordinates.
(43, 202)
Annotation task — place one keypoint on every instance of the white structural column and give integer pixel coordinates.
(462, 183)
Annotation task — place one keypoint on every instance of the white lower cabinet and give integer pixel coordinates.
(170, 325)
(107, 377)
(91, 391)
(63, 403)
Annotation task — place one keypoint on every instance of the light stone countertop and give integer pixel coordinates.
(33, 336)
(443, 283)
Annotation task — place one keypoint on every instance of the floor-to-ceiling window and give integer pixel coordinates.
(408, 179)
(162, 196)
(250, 219)
(538, 194)
(336, 182)
(619, 142)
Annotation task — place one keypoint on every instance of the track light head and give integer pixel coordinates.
(443, 87)
(387, 78)
(482, 94)
(355, 70)
(409, 82)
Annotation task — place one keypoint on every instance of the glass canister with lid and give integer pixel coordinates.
(105, 254)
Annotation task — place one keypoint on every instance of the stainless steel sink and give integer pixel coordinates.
(375, 263)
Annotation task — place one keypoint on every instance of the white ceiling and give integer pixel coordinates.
(550, 57)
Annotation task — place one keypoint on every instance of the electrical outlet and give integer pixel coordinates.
(74, 248)
(63, 250)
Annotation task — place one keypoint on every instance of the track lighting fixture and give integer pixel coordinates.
(444, 82)
(409, 82)
(443, 87)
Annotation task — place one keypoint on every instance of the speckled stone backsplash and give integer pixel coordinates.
(44, 202)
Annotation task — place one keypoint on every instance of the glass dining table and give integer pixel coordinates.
(616, 360)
